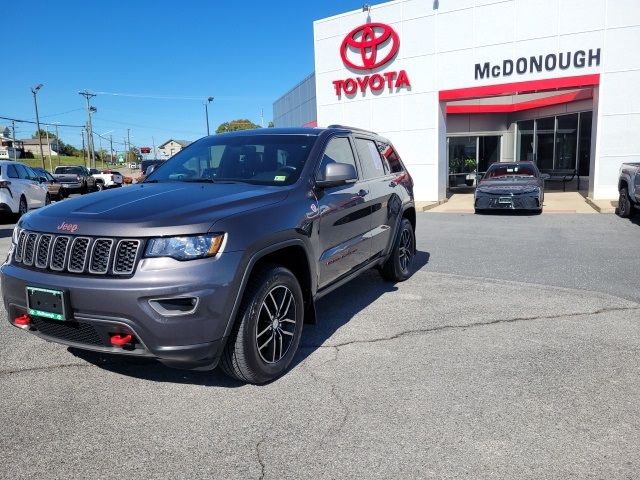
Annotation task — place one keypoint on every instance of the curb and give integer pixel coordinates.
(602, 209)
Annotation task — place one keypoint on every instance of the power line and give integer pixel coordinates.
(34, 123)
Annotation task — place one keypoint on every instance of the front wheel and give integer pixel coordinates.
(47, 200)
(99, 186)
(397, 268)
(625, 208)
(268, 328)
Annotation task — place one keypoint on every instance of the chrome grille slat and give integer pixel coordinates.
(100, 256)
(126, 256)
(42, 251)
(20, 247)
(78, 256)
(29, 248)
(59, 253)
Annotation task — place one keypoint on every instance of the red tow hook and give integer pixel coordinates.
(23, 321)
(121, 340)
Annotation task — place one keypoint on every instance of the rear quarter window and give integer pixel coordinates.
(391, 157)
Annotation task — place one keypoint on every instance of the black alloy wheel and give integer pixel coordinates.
(397, 268)
(625, 207)
(22, 207)
(268, 327)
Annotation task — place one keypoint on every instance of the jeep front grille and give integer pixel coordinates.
(63, 253)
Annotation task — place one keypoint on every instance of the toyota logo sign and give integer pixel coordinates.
(362, 48)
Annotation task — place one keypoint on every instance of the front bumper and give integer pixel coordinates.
(102, 306)
(526, 201)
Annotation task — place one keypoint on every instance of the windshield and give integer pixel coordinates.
(71, 170)
(498, 172)
(256, 159)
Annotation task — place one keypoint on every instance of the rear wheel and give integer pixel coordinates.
(397, 268)
(47, 200)
(267, 332)
(99, 186)
(625, 207)
(23, 207)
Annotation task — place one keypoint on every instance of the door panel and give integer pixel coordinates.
(345, 221)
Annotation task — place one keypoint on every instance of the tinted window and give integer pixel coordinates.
(338, 151)
(22, 172)
(255, 159)
(31, 173)
(11, 171)
(70, 170)
(509, 170)
(391, 157)
(370, 158)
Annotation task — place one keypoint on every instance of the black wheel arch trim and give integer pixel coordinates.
(248, 269)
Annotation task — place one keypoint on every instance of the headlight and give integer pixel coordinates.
(185, 248)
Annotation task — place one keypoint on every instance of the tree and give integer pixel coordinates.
(43, 134)
(271, 124)
(235, 125)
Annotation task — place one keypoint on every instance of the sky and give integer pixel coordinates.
(161, 58)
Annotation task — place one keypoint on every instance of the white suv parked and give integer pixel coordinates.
(20, 188)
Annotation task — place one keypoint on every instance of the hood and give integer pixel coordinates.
(151, 209)
(506, 187)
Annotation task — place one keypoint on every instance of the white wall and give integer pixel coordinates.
(439, 48)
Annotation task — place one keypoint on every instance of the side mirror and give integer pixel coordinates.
(545, 176)
(337, 174)
(42, 179)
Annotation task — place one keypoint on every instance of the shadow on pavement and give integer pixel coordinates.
(333, 312)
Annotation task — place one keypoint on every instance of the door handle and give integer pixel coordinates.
(363, 192)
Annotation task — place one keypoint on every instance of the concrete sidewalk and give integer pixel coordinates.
(554, 202)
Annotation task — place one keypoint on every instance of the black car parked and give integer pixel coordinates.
(510, 186)
(219, 255)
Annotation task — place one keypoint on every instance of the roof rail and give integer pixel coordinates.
(345, 127)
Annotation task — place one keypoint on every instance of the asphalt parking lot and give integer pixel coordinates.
(512, 352)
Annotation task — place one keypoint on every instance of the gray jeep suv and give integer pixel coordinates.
(219, 255)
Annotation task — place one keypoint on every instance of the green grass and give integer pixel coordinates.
(57, 160)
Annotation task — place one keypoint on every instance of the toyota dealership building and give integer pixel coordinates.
(459, 84)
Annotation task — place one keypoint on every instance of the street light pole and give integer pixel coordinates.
(206, 111)
(49, 148)
(34, 90)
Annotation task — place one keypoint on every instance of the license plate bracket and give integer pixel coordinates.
(47, 303)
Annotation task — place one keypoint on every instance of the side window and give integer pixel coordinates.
(338, 151)
(22, 172)
(31, 173)
(370, 159)
(12, 172)
(391, 156)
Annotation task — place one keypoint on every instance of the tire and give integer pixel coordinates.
(252, 350)
(63, 193)
(397, 268)
(23, 207)
(99, 186)
(84, 189)
(47, 200)
(625, 207)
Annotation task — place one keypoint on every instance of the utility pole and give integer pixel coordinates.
(58, 142)
(34, 90)
(13, 129)
(128, 142)
(262, 117)
(153, 141)
(90, 110)
(84, 159)
(126, 152)
(111, 146)
(49, 148)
